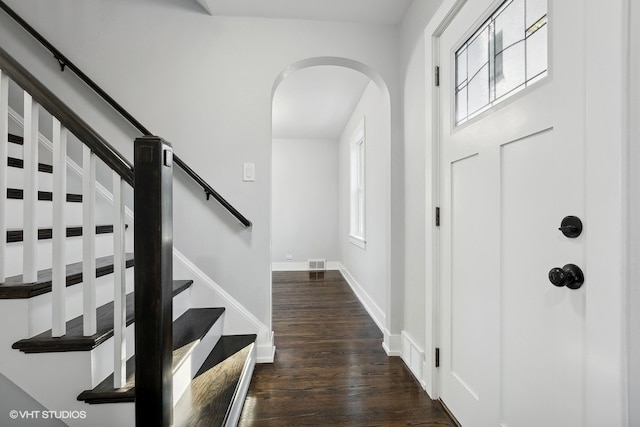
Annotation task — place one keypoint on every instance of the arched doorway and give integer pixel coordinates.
(366, 266)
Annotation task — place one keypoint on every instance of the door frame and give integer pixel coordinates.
(607, 213)
(436, 27)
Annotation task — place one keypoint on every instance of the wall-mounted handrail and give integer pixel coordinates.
(66, 63)
(209, 191)
(109, 155)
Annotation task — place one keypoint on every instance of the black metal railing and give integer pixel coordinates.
(66, 63)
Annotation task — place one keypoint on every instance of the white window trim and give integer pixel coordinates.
(357, 165)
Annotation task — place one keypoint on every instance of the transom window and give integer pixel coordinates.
(506, 54)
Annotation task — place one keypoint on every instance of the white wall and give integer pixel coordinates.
(368, 267)
(304, 200)
(205, 84)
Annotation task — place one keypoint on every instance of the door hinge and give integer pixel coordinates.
(438, 216)
(437, 357)
(437, 76)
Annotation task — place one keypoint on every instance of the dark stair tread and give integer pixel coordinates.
(226, 347)
(16, 139)
(13, 162)
(215, 387)
(47, 196)
(15, 288)
(14, 236)
(188, 330)
(74, 340)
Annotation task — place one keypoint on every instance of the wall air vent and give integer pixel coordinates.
(317, 264)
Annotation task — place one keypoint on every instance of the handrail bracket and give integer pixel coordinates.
(61, 62)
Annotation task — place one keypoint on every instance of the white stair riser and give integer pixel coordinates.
(15, 150)
(15, 179)
(110, 415)
(54, 379)
(60, 389)
(14, 214)
(14, 254)
(187, 370)
(181, 303)
(40, 306)
(67, 374)
(44, 218)
(102, 357)
(39, 320)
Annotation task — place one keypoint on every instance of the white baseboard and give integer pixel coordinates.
(392, 343)
(205, 292)
(413, 357)
(372, 308)
(300, 266)
(266, 350)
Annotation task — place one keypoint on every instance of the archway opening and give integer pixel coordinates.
(319, 107)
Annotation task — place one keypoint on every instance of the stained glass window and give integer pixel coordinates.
(506, 54)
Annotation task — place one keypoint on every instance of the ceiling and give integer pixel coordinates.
(316, 102)
(386, 12)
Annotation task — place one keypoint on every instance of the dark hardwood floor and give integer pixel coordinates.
(330, 368)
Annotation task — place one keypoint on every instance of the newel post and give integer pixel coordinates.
(153, 245)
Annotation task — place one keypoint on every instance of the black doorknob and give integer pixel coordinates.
(570, 276)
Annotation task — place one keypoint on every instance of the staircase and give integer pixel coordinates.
(67, 295)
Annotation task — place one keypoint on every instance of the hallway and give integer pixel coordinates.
(330, 368)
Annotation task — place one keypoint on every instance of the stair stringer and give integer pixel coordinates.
(205, 292)
(54, 379)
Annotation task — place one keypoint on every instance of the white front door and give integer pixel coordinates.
(512, 167)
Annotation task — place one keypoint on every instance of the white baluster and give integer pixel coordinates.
(119, 286)
(89, 240)
(4, 143)
(59, 269)
(30, 234)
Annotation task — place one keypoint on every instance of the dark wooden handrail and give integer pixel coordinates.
(66, 63)
(67, 117)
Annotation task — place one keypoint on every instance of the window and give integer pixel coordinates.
(358, 185)
(505, 55)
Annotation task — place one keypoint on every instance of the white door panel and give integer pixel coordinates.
(512, 343)
(527, 224)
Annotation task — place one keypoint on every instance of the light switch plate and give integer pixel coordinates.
(249, 172)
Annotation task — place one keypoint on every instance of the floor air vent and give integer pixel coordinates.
(317, 264)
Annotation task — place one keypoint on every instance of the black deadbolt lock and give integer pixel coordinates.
(570, 276)
(571, 226)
